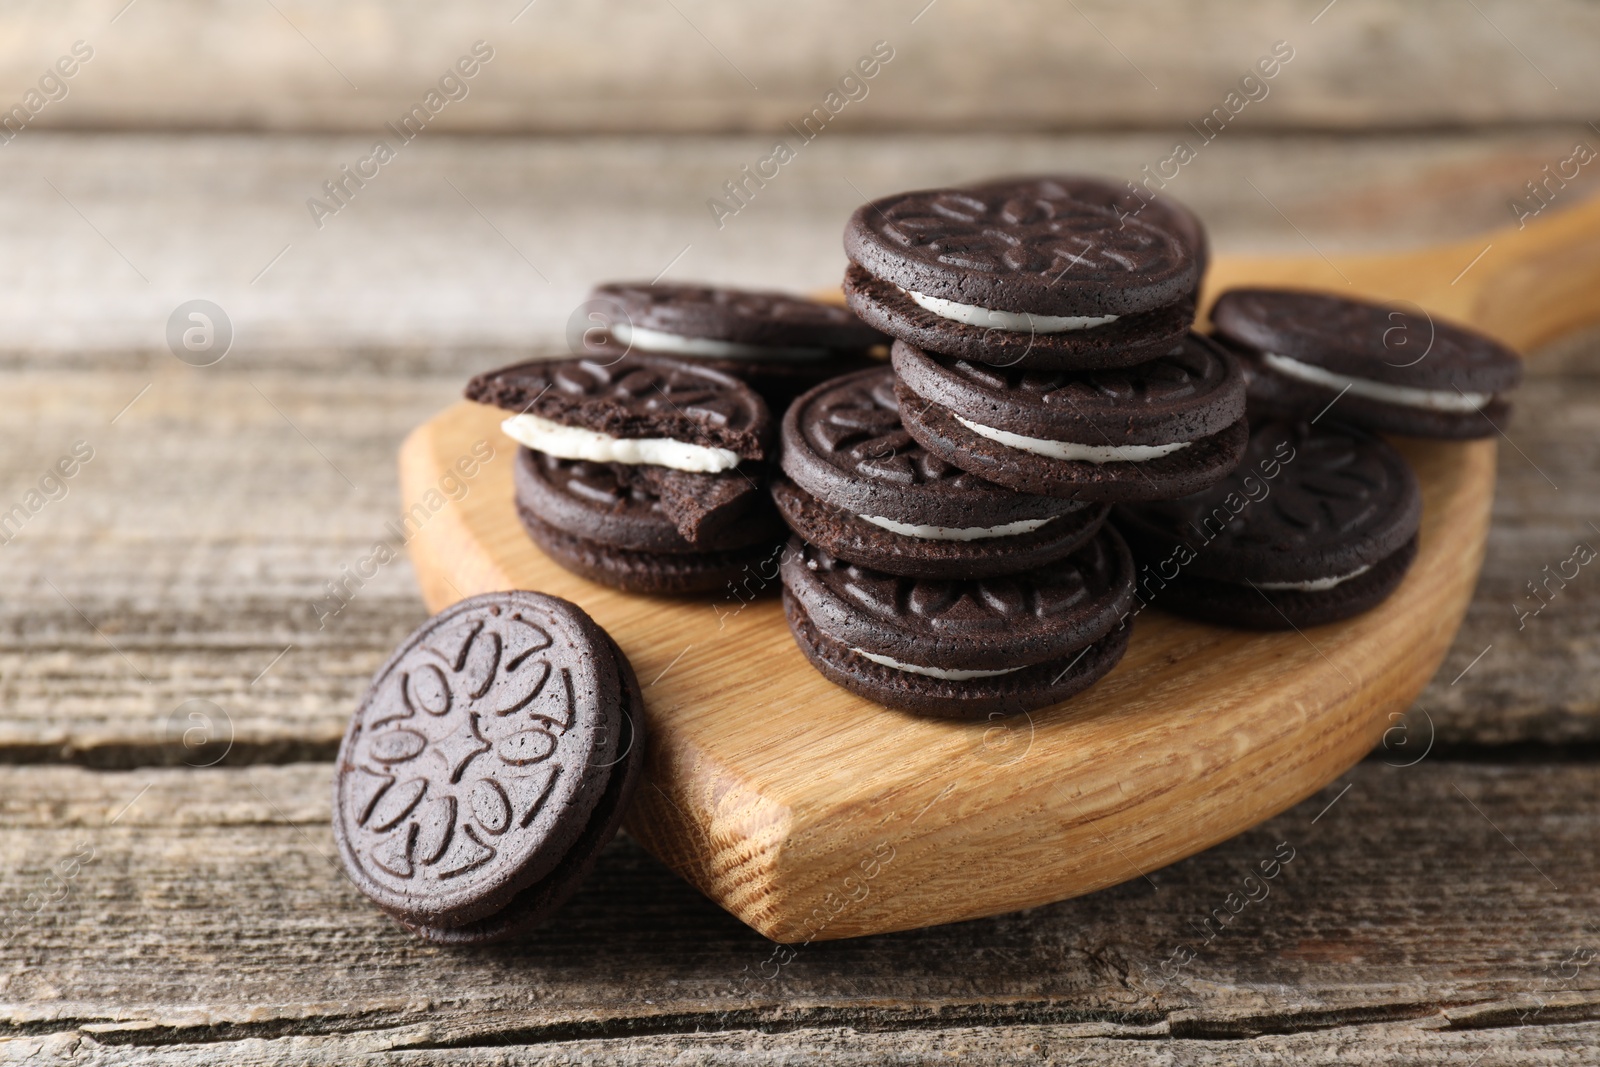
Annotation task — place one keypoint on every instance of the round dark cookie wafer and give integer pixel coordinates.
(1192, 392)
(1009, 643)
(644, 508)
(467, 775)
(642, 571)
(1026, 690)
(1131, 339)
(847, 457)
(848, 536)
(982, 624)
(636, 395)
(844, 443)
(1031, 254)
(1393, 369)
(542, 899)
(1198, 465)
(1193, 397)
(1326, 506)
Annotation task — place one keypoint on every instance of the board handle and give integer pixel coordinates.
(1541, 281)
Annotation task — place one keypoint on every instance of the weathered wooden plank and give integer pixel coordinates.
(1444, 897)
(1533, 629)
(698, 65)
(1388, 1044)
(463, 242)
(189, 553)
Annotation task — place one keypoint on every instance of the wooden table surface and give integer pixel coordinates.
(173, 901)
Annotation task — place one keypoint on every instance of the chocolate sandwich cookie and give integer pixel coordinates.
(862, 489)
(652, 509)
(490, 760)
(1317, 523)
(645, 529)
(781, 345)
(1128, 200)
(638, 408)
(1393, 370)
(643, 473)
(1170, 426)
(1020, 275)
(963, 649)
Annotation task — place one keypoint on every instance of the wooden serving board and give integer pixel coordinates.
(810, 813)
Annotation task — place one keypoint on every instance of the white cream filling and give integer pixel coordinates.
(932, 672)
(573, 442)
(1071, 450)
(1316, 585)
(681, 345)
(957, 533)
(1015, 321)
(1404, 395)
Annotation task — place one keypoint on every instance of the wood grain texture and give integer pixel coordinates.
(1528, 284)
(1404, 927)
(695, 65)
(1388, 1044)
(1523, 667)
(463, 244)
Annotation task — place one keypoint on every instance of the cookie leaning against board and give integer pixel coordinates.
(489, 762)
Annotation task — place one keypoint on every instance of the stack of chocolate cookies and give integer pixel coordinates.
(952, 555)
(643, 472)
(1318, 523)
(1321, 521)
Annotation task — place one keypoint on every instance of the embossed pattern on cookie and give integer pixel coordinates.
(1019, 250)
(861, 487)
(1306, 501)
(1156, 210)
(845, 441)
(1003, 621)
(635, 396)
(465, 775)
